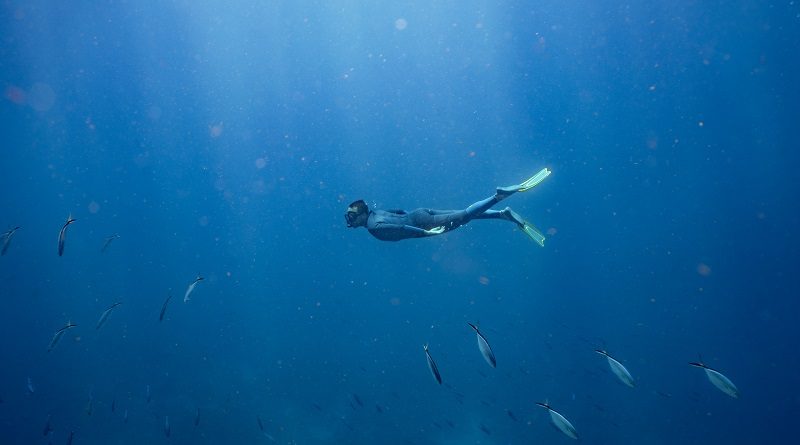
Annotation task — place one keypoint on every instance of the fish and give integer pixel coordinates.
(167, 429)
(113, 405)
(560, 421)
(197, 417)
(485, 430)
(722, 383)
(107, 242)
(147, 394)
(483, 346)
(378, 409)
(358, 400)
(511, 415)
(89, 404)
(7, 239)
(190, 289)
(432, 365)
(164, 308)
(63, 234)
(31, 388)
(59, 333)
(105, 315)
(47, 426)
(266, 434)
(125, 417)
(618, 369)
(69, 438)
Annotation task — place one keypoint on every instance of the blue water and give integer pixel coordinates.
(226, 139)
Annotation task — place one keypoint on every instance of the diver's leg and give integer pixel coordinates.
(479, 210)
(451, 220)
(441, 212)
(512, 216)
(481, 206)
(493, 214)
(529, 229)
(506, 214)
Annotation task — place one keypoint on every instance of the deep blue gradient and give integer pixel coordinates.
(227, 138)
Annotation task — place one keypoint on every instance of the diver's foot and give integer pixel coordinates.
(504, 192)
(513, 217)
(533, 181)
(528, 228)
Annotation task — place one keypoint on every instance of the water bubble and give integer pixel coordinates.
(154, 112)
(41, 97)
(400, 24)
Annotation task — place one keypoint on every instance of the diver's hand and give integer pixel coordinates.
(435, 231)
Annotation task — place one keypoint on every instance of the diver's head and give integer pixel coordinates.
(357, 214)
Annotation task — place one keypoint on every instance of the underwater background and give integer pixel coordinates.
(226, 139)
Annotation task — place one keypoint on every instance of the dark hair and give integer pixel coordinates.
(358, 207)
(354, 210)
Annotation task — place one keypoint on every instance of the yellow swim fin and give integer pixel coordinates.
(534, 180)
(533, 233)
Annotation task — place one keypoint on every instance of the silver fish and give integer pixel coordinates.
(105, 315)
(63, 234)
(59, 333)
(197, 417)
(7, 239)
(89, 405)
(31, 388)
(190, 289)
(164, 308)
(107, 242)
(722, 383)
(125, 416)
(618, 369)
(432, 365)
(560, 422)
(167, 429)
(483, 346)
(69, 439)
(47, 427)
(147, 394)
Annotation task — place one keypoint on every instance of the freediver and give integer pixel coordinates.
(395, 225)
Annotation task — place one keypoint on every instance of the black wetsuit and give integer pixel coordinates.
(395, 225)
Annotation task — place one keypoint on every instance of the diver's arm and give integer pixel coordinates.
(396, 232)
